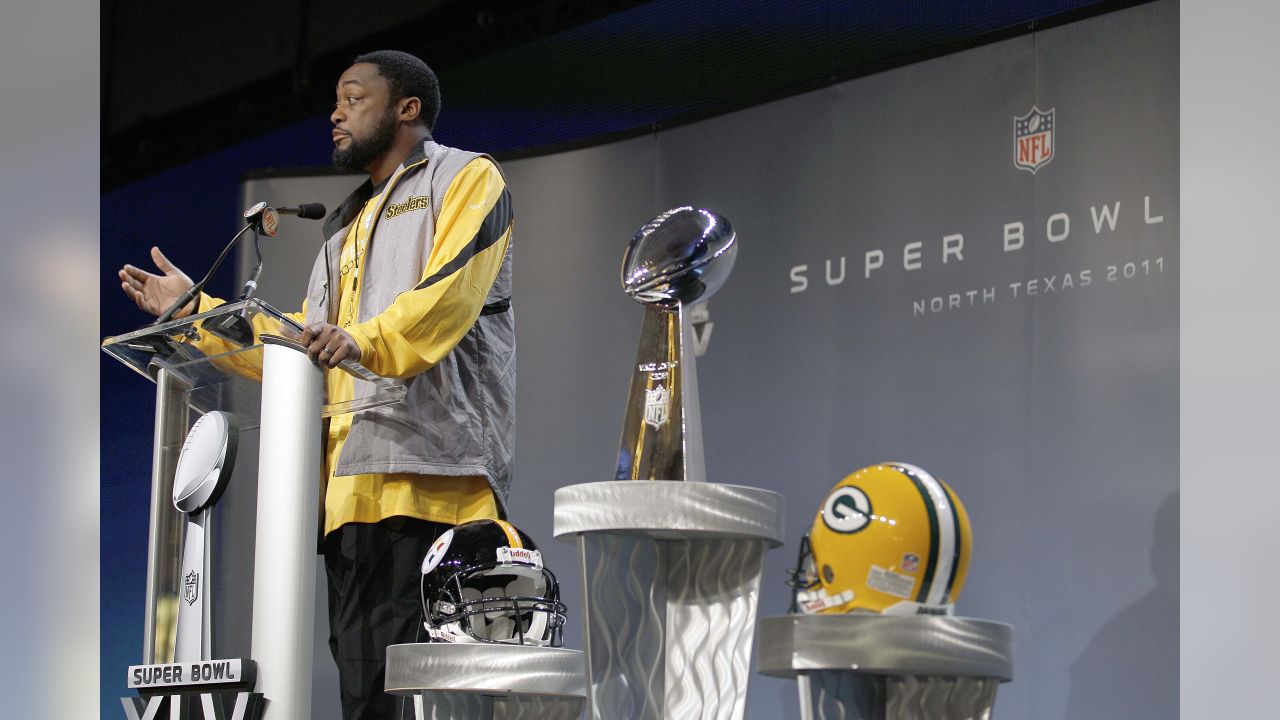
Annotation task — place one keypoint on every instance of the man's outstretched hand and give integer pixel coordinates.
(327, 345)
(155, 293)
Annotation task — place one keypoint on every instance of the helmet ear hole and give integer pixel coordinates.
(828, 575)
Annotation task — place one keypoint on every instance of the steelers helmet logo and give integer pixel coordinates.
(847, 510)
(437, 551)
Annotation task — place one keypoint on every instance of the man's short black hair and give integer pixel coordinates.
(408, 76)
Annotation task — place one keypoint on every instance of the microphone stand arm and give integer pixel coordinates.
(195, 289)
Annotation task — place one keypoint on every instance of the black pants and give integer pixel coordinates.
(374, 572)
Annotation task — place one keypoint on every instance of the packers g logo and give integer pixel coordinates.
(847, 510)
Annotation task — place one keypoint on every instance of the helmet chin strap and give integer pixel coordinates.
(501, 629)
(537, 632)
(450, 633)
(817, 600)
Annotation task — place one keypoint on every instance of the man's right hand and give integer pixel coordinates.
(155, 293)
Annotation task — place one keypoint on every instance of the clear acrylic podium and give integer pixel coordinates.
(242, 358)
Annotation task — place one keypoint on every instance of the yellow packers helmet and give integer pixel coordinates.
(890, 538)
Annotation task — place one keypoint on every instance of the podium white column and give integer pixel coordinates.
(288, 507)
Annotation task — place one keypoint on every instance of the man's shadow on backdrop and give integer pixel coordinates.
(1130, 668)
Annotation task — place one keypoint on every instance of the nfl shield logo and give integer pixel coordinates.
(910, 562)
(191, 588)
(656, 406)
(1033, 139)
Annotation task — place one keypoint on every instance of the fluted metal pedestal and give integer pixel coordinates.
(671, 578)
(487, 682)
(879, 667)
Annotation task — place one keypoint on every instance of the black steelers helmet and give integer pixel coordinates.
(484, 581)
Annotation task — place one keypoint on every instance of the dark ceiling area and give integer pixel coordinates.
(518, 76)
(180, 81)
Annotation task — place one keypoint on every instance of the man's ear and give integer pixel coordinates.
(410, 109)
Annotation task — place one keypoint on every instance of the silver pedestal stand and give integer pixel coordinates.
(487, 682)
(860, 667)
(670, 564)
(671, 576)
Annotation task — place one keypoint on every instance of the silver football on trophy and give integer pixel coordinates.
(682, 256)
(205, 464)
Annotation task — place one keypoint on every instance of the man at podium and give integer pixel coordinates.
(413, 282)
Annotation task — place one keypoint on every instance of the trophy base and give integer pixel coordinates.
(195, 690)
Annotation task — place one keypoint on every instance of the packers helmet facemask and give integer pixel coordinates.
(890, 538)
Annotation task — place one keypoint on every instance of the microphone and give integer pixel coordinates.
(262, 218)
(237, 328)
(306, 211)
(265, 218)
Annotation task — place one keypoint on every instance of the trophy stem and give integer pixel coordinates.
(662, 430)
(193, 606)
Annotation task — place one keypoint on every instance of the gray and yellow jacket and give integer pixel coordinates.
(435, 312)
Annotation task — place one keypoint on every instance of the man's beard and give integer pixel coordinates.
(360, 154)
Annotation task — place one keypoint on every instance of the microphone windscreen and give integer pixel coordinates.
(311, 211)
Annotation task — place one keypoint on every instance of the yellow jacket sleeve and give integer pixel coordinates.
(422, 325)
(260, 324)
(247, 365)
